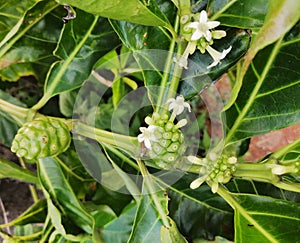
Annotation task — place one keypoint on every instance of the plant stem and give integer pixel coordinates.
(149, 183)
(259, 172)
(19, 114)
(32, 189)
(167, 70)
(127, 143)
(281, 152)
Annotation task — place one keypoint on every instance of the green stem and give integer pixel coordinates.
(127, 143)
(288, 186)
(150, 187)
(18, 113)
(176, 73)
(259, 172)
(281, 152)
(167, 70)
(122, 156)
(32, 189)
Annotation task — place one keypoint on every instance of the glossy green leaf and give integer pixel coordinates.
(66, 102)
(82, 42)
(10, 16)
(146, 216)
(269, 97)
(135, 11)
(12, 170)
(281, 17)
(102, 214)
(29, 50)
(118, 230)
(239, 13)
(264, 219)
(197, 76)
(60, 192)
(8, 129)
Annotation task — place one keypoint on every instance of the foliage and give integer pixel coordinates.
(119, 137)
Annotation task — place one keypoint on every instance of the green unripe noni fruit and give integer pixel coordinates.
(169, 146)
(40, 138)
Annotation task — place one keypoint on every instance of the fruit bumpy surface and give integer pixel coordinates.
(40, 138)
(169, 145)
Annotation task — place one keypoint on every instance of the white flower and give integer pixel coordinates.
(178, 105)
(202, 27)
(217, 56)
(147, 135)
(183, 60)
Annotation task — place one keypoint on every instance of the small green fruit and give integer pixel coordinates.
(40, 138)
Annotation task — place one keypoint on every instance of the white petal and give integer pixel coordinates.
(208, 35)
(215, 63)
(193, 25)
(196, 35)
(187, 106)
(225, 52)
(195, 160)
(203, 17)
(212, 24)
(198, 182)
(214, 187)
(147, 143)
(181, 123)
(170, 100)
(141, 138)
(218, 34)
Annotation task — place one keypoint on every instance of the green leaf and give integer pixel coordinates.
(8, 129)
(10, 16)
(82, 42)
(131, 10)
(281, 17)
(61, 193)
(29, 49)
(66, 102)
(197, 77)
(147, 223)
(12, 170)
(264, 219)
(118, 230)
(118, 90)
(269, 97)
(102, 214)
(239, 13)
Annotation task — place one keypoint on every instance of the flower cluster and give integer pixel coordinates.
(200, 34)
(162, 138)
(214, 170)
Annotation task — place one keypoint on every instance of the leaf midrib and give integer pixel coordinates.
(255, 91)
